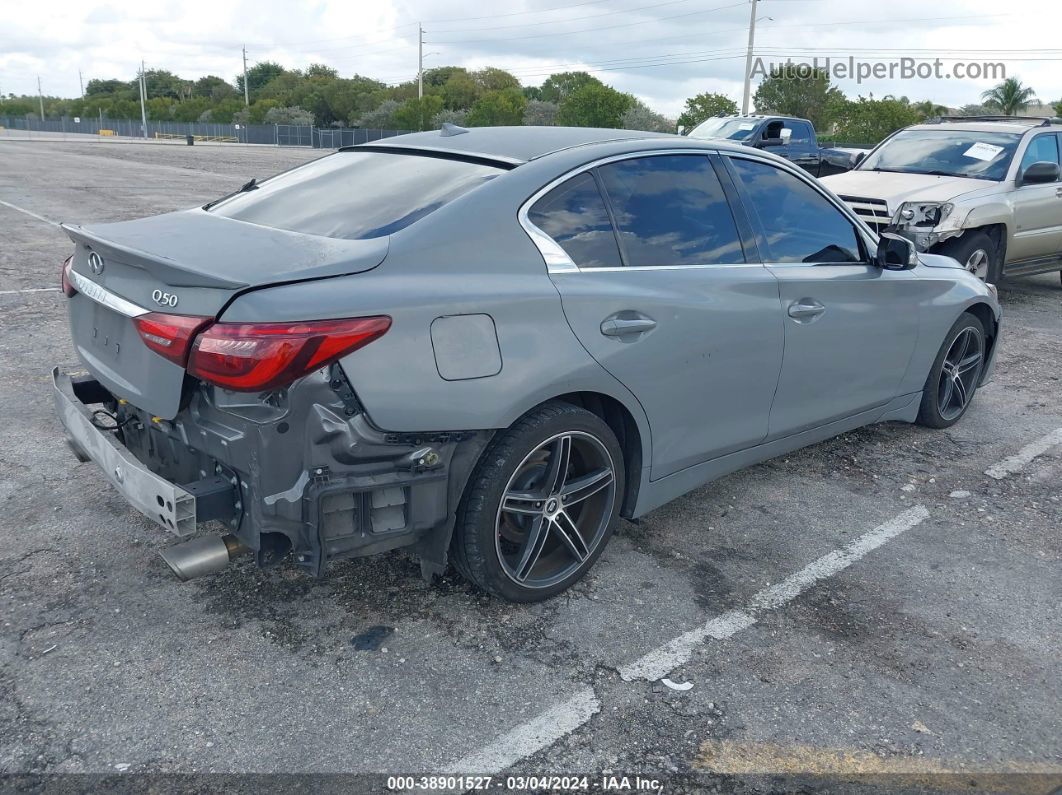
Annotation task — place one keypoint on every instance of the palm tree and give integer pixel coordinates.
(928, 109)
(1010, 96)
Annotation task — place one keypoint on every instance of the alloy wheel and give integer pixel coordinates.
(959, 373)
(555, 509)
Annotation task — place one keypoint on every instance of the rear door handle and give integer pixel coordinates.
(622, 326)
(1058, 192)
(805, 309)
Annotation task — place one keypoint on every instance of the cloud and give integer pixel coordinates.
(662, 51)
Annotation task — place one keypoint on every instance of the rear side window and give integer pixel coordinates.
(671, 210)
(357, 195)
(798, 221)
(574, 215)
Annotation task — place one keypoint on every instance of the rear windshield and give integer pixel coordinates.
(356, 195)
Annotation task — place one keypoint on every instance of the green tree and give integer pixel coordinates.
(868, 120)
(1010, 97)
(556, 88)
(594, 105)
(460, 91)
(788, 92)
(928, 109)
(213, 87)
(640, 117)
(1058, 108)
(704, 106)
(498, 108)
(540, 114)
(493, 79)
(258, 75)
(381, 117)
(321, 72)
(416, 114)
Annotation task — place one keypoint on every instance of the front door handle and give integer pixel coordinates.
(805, 309)
(1058, 192)
(623, 326)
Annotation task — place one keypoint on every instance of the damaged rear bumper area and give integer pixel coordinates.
(299, 470)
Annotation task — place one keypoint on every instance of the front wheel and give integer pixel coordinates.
(541, 504)
(955, 375)
(977, 253)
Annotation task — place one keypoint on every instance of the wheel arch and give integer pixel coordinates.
(622, 422)
(984, 313)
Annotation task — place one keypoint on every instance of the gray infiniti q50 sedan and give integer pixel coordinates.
(487, 345)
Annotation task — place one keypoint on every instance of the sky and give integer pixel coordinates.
(662, 51)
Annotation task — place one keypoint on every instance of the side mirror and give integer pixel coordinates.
(769, 142)
(857, 158)
(895, 253)
(1039, 173)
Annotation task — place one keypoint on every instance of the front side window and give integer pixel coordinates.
(1042, 148)
(671, 210)
(574, 215)
(945, 153)
(357, 195)
(799, 223)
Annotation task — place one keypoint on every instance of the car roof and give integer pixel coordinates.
(980, 126)
(512, 145)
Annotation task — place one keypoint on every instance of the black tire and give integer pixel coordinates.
(509, 468)
(936, 411)
(965, 248)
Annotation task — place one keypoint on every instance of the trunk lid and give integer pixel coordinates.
(186, 263)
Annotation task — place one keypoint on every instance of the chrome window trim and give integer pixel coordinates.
(557, 259)
(105, 297)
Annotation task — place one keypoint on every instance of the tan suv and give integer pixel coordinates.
(984, 190)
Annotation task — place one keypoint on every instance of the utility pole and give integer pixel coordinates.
(143, 99)
(748, 61)
(420, 61)
(40, 96)
(81, 80)
(246, 88)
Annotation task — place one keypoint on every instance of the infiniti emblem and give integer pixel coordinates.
(95, 263)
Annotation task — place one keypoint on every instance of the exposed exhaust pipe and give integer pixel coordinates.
(203, 555)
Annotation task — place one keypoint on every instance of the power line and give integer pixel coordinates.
(594, 29)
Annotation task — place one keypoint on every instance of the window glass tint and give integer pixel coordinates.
(356, 195)
(671, 210)
(1041, 148)
(801, 132)
(800, 224)
(574, 215)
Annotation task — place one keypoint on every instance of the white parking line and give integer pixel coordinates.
(29, 213)
(1016, 462)
(30, 290)
(659, 662)
(532, 736)
(567, 716)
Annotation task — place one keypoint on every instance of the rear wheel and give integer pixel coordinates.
(956, 372)
(541, 504)
(977, 253)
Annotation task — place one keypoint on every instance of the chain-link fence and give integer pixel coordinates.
(274, 134)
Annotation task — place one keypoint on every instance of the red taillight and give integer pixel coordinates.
(68, 288)
(169, 335)
(251, 357)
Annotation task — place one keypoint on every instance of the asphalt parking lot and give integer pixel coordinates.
(873, 605)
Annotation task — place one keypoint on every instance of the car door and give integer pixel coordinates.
(1037, 208)
(850, 327)
(660, 292)
(800, 148)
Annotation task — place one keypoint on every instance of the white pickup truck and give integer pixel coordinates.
(985, 190)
